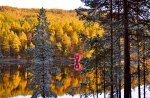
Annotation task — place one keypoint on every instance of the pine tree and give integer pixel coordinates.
(42, 59)
(101, 11)
(99, 62)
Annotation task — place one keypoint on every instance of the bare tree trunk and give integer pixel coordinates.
(127, 75)
(144, 67)
(119, 88)
(138, 52)
(96, 72)
(119, 79)
(139, 84)
(111, 32)
(104, 81)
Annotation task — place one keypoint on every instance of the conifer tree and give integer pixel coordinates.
(42, 59)
(132, 11)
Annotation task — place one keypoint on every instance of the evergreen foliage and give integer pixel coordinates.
(116, 16)
(42, 59)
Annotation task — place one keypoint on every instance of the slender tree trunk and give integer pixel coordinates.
(119, 79)
(139, 84)
(127, 75)
(111, 32)
(144, 67)
(138, 52)
(104, 81)
(96, 72)
(119, 88)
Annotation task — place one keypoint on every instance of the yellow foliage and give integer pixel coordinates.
(16, 79)
(32, 45)
(22, 84)
(88, 54)
(67, 82)
(75, 82)
(64, 28)
(66, 40)
(74, 38)
(52, 38)
(23, 38)
(6, 77)
(134, 83)
(26, 26)
(58, 77)
(148, 78)
(16, 44)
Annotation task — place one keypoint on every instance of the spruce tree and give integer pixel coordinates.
(42, 59)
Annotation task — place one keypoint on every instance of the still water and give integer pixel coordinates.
(14, 82)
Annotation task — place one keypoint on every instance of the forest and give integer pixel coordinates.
(112, 39)
(17, 27)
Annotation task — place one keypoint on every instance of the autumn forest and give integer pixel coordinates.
(99, 50)
(18, 25)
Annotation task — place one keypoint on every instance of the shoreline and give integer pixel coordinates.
(26, 61)
(14, 61)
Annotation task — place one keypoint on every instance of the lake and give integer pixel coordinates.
(14, 82)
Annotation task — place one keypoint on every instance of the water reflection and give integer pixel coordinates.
(13, 81)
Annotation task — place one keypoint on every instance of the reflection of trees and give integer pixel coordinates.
(86, 84)
(13, 81)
